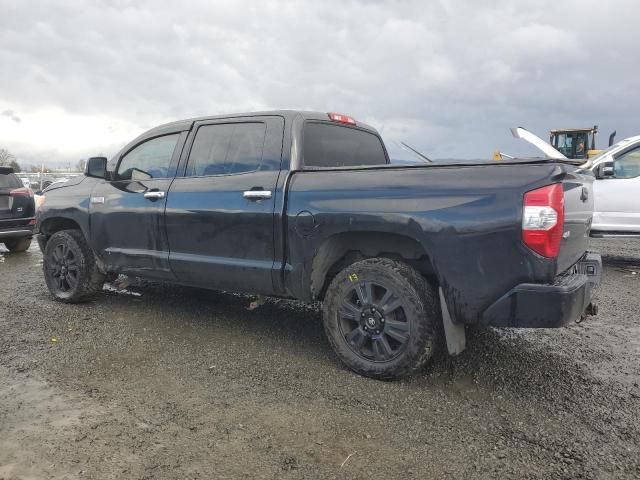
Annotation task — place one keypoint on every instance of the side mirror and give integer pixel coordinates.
(96, 167)
(605, 170)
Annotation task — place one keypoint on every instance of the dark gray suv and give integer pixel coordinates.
(17, 212)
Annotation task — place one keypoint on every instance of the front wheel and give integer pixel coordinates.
(70, 269)
(382, 317)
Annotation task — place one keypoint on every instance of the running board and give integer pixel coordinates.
(614, 235)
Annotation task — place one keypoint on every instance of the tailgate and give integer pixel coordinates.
(578, 213)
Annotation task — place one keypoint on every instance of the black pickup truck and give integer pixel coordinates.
(307, 206)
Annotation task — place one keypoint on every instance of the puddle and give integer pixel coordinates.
(110, 288)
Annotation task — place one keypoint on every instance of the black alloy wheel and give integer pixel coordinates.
(64, 268)
(373, 322)
(382, 318)
(70, 268)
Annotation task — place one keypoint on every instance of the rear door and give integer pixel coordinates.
(127, 211)
(617, 198)
(220, 212)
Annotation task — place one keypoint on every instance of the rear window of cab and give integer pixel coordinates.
(10, 180)
(328, 145)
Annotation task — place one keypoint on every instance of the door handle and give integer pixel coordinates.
(153, 195)
(256, 194)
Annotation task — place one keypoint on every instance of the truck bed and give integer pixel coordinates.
(465, 217)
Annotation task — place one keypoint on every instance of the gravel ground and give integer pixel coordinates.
(157, 382)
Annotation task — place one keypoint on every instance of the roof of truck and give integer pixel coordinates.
(287, 114)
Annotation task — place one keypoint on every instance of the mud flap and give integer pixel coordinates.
(453, 332)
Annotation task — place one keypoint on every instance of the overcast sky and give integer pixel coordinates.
(449, 77)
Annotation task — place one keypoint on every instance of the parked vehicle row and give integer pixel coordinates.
(306, 205)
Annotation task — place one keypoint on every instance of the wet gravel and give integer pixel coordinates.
(156, 382)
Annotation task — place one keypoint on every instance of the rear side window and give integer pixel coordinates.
(10, 180)
(150, 159)
(327, 145)
(225, 149)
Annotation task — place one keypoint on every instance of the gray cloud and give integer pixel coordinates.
(449, 77)
(12, 115)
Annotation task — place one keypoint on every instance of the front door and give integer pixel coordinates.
(127, 211)
(220, 212)
(617, 198)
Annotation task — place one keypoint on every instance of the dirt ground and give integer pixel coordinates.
(174, 383)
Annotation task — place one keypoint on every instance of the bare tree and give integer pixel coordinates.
(6, 157)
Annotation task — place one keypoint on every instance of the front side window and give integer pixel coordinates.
(150, 159)
(627, 165)
(225, 149)
(327, 145)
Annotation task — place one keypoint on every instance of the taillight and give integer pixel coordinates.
(337, 117)
(21, 192)
(543, 219)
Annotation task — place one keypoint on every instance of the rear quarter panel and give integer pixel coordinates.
(468, 220)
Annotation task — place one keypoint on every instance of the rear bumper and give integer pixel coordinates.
(531, 305)
(16, 232)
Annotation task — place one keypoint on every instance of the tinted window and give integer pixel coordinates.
(627, 165)
(229, 148)
(150, 159)
(327, 145)
(10, 181)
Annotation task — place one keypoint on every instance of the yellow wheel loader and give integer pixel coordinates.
(577, 142)
(571, 142)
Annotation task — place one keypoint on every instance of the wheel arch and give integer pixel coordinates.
(52, 225)
(343, 249)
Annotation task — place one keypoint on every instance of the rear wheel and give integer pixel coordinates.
(382, 317)
(17, 245)
(70, 269)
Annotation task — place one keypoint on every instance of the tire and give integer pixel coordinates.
(70, 269)
(382, 318)
(17, 245)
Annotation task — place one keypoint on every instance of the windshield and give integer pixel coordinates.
(613, 147)
(572, 144)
